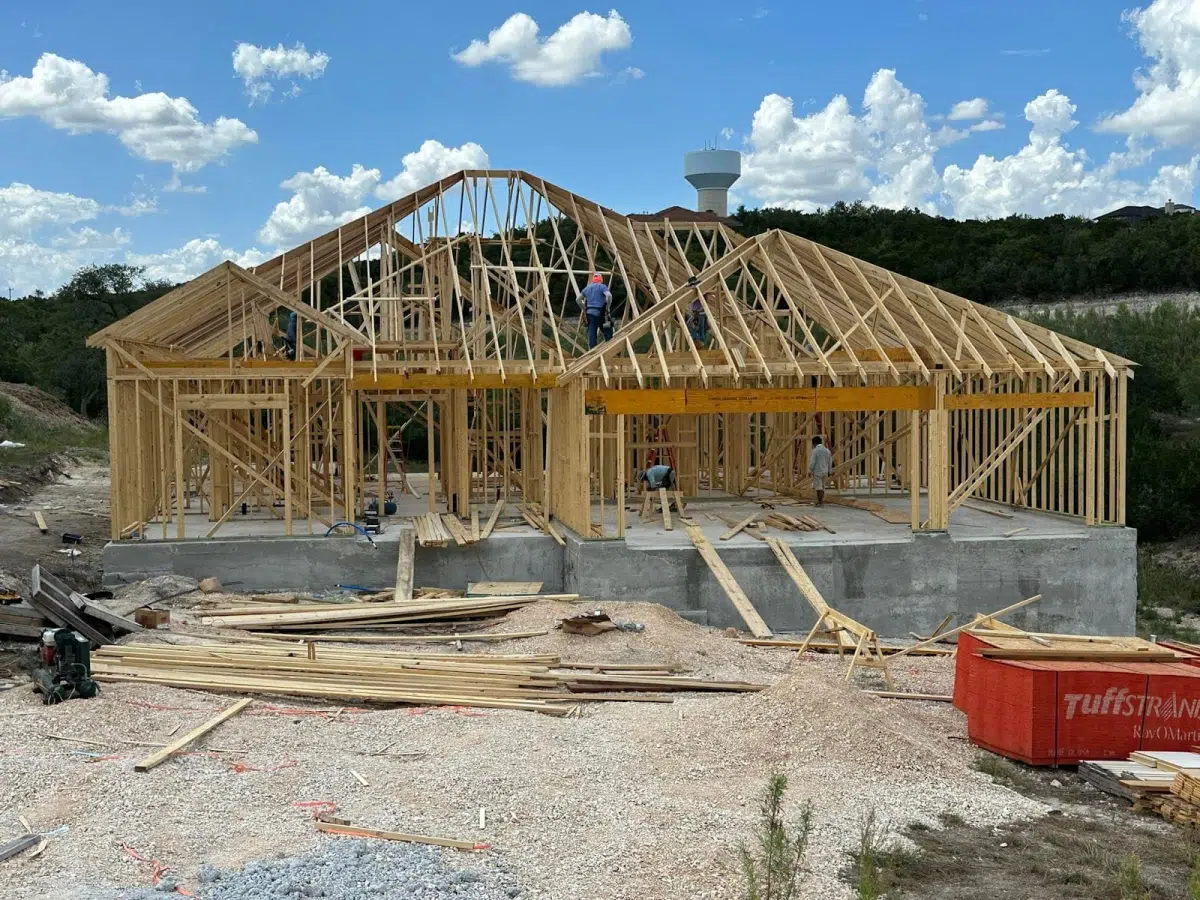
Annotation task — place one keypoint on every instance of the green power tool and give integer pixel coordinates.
(66, 670)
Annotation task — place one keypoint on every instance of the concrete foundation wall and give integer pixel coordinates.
(1088, 583)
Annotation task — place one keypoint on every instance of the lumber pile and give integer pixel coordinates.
(324, 616)
(431, 531)
(784, 522)
(1163, 781)
(53, 604)
(525, 682)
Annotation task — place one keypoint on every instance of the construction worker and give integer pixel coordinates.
(595, 299)
(290, 340)
(820, 464)
(697, 321)
(656, 477)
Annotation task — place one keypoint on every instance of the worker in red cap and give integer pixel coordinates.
(595, 299)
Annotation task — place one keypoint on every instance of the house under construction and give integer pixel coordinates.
(456, 307)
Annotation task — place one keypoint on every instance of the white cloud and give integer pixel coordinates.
(321, 200)
(966, 110)
(987, 125)
(1046, 177)
(433, 160)
(886, 155)
(66, 94)
(25, 209)
(258, 66)
(1168, 105)
(570, 54)
(193, 258)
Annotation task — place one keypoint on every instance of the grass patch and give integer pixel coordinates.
(1164, 587)
(1130, 882)
(1003, 771)
(89, 441)
(878, 862)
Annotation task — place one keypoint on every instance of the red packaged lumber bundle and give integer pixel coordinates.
(1056, 712)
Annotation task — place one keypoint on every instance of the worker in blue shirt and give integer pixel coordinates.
(290, 340)
(595, 299)
(659, 476)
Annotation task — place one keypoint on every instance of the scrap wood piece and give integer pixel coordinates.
(360, 831)
(904, 695)
(732, 590)
(588, 624)
(666, 509)
(120, 623)
(993, 512)
(161, 756)
(18, 845)
(455, 526)
(733, 532)
(47, 598)
(41, 523)
(1015, 531)
(937, 632)
(491, 522)
(488, 637)
(945, 634)
(503, 588)
(474, 526)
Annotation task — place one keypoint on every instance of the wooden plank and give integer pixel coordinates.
(405, 559)
(41, 523)
(474, 526)
(440, 381)
(18, 845)
(161, 756)
(491, 522)
(666, 509)
(732, 532)
(356, 831)
(455, 527)
(96, 611)
(945, 634)
(1044, 400)
(699, 401)
(902, 695)
(59, 613)
(502, 588)
(792, 566)
(1079, 654)
(732, 590)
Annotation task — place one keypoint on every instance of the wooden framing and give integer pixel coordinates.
(457, 304)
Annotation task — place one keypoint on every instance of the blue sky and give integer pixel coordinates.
(178, 182)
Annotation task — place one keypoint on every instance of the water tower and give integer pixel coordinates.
(712, 173)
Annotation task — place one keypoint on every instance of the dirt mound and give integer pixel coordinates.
(29, 402)
(666, 639)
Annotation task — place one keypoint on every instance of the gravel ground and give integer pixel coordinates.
(341, 870)
(627, 801)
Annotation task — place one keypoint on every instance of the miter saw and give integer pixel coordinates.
(66, 667)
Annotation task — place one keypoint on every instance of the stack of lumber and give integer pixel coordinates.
(323, 616)
(388, 676)
(533, 516)
(53, 604)
(784, 522)
(459, 679)
(431, 532)
(1165, 781)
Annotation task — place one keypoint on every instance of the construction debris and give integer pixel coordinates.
(161, 756)
(491, 681)
(320, 616)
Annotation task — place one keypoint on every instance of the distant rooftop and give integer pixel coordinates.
(679, 214)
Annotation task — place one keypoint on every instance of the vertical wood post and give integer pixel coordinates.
(939, 459)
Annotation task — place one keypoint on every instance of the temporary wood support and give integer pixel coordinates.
(730, 586)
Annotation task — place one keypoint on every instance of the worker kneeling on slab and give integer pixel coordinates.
(657, 477)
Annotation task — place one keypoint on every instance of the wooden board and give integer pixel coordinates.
(732, 590)
(491, 522)
(732, 532)
(502, 588)
(666, 508)
(41, 523)
(799, 577)
(161, 756)
(96, 611)
(356, 831)
(404, 565)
